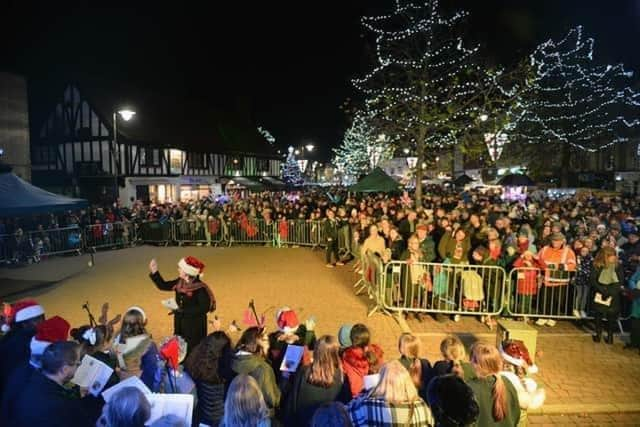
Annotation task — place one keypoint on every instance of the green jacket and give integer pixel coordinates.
(483, 390)
(428, 247)
(330, 228)
(447, 249)
(262, 372)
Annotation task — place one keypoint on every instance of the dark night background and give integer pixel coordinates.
(287, 63)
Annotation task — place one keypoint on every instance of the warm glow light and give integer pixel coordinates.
(484, 117)
(296, 152)
(406, 151)
(126, 114)
(309, 147)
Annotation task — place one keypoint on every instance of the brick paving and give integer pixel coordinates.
(594, 383)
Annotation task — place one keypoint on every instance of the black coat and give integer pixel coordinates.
(18, 378)
(15, 350)
(190, 320)
(613, 290)
(44, 403)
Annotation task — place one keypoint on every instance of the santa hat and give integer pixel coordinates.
(191, 266)
(287, 320)
(173, 350)
(49, 331)
(516, 353)
(26, 309)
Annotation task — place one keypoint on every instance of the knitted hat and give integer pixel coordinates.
(344, 335)
(557, 236)
(191, 266)
(49, 331)
(27, 309)
(287, 320)
(516, 353)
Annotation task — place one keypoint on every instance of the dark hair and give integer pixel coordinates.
(360, 335)
(249, 341)
(203, 364)
(102, 335)
(332, 414)
(452, 401)
(133, 324)
(59, 354)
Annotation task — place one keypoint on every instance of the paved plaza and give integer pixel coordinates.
(586, 383)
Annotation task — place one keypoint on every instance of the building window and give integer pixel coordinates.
(43, 154)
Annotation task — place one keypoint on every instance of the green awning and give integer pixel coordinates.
(376, 181)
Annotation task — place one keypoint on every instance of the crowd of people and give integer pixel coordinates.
(245, 379)
(586, 248)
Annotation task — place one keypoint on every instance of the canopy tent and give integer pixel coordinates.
(463, 180)
(376, 181)
(244, 182)
(18, 197)
(516, 180)
(273, 183)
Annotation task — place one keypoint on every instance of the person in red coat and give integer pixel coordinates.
(193, 299)
(527, 281)
(361, 359)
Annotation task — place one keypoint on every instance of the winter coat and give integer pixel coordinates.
(54, 407)
(190, 320)
(257, 367)
(426, 374)
(304, 397)
(584, 271)
(456, 252)
(18, 378)
(612, 290)
(15, 350)
(139, 356)
(483, 390)
(557, 264)
(356, 365)
(527, 280)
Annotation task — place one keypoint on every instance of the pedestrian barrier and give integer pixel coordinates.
(42, 243)
(192, 231)
(542, 293)
(156, 232)
(110, 235)
(442, 288)
(249, 231)
(299, 232)
(372, 281)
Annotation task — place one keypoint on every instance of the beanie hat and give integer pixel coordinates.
(344, 335)
(27, 309)
(287, 320)
(516, 353)
(557, 236)
(49, 331)
(192, 266)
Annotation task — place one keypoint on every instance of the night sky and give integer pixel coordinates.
(288, 63)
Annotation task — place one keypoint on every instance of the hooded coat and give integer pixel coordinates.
(258, 368)
(356, 365)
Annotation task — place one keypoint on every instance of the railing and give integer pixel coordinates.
(443, 288)
(542, 293)
(156, 232)
(55, 241)
(110, 235)
(213, 231)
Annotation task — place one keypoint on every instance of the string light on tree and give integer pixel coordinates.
(572, 101)
(291, 171)
(267, 135)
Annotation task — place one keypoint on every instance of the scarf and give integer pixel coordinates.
(188, 288)
(608, 276)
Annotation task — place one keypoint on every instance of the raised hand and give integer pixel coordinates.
(153, 266)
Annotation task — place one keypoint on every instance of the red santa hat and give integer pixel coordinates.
(26, 309)
(516, 353)
(287, 320)
(49, 331)
(192, 266)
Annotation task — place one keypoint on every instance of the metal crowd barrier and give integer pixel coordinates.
(156, 232)
(300, 232)
(372, 281)
(110, 235)
(533, 292)
(212, 232)
(41, 243)
(443, 288)
(252, 231)
(5, 248)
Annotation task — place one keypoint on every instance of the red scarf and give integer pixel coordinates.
(188, 288)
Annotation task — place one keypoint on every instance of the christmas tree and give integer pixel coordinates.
(361, 149)
(424, 88)
(291, 172)
(571, 103)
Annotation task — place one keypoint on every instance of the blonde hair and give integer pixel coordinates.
(395, 385)
(452, 349)
(602, 257)
(326, 361)
(244, 405)
(487, 362)
(409, 346)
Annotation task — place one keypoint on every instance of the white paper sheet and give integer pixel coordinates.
(170, 303)
(179, 405)
(129, 382)
(92, 374)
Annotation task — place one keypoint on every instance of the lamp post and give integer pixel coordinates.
(300, 151)
(126, 115)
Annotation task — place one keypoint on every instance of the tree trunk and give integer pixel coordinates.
(419, 175)
(564, 167)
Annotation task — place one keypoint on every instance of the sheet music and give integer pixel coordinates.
(92, 374)
(180, 405)
(129, 382)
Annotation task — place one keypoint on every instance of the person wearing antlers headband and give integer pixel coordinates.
(193, 299)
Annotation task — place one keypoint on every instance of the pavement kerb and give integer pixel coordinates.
(579, 408)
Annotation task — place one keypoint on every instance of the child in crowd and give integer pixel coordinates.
(582, 282)
(419, 369)
(454, 354)
(361, 359)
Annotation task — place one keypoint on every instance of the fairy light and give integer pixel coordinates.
(421, 76)
(267, 135)
(574, 101)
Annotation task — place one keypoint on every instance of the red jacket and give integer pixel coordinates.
(356, 365)
(527, 279)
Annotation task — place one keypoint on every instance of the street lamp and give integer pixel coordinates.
(126, 115)
(309, 147)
